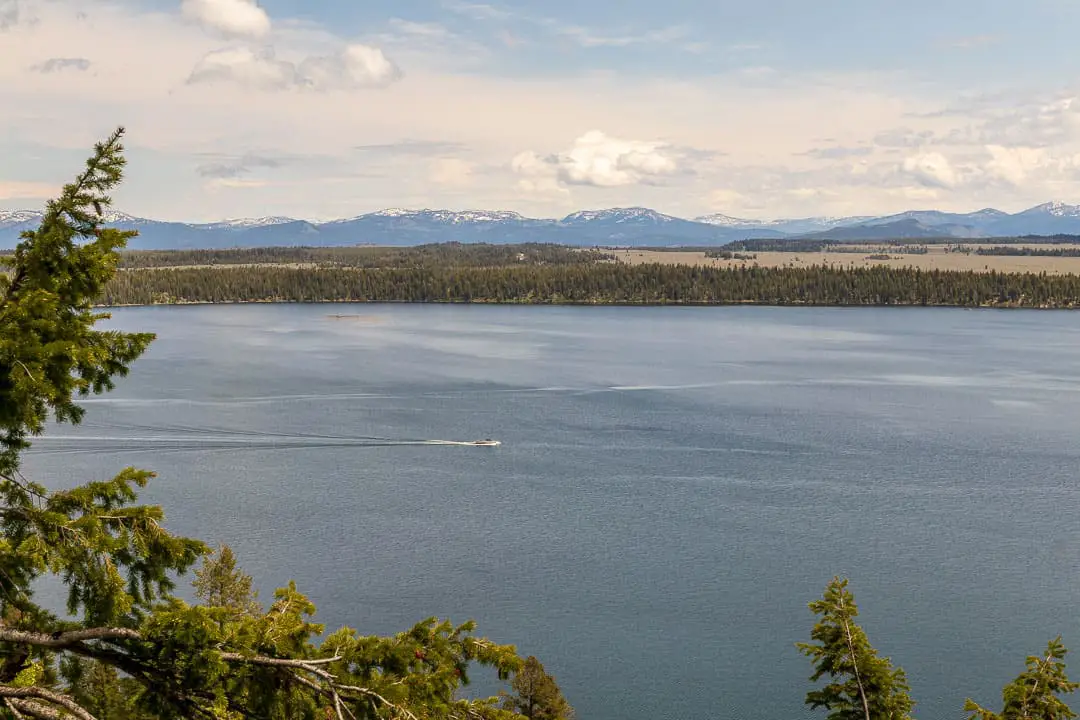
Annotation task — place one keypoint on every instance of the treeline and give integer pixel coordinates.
(728, 255)
(1028, 251)
(808, 245)
(602, 283)
(896, 245)
(441, 254)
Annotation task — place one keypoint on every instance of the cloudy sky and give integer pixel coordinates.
(323, 109)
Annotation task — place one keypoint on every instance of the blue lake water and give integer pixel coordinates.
(673, 485)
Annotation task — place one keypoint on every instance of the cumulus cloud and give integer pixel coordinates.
(596, 159)
(1000, 166)
(57, 64)
(1014, 164)
(931, 169)
(450, 171)
(9, 13)
(356, 66)
(232, 17)
(245, 66)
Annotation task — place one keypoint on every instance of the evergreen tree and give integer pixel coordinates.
(170, 659)
(1034, 694)
(537, 696)
(99, 689)
(219, 583)
(863, 686)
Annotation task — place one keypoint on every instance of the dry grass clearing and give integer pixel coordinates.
(935, 259)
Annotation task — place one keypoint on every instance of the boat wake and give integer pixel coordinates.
(143, 438)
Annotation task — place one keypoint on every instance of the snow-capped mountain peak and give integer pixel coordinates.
(13, 217)
(618, 215)
(240, 223)
(115, 216)
(722, 220)
(1057, 209)
(393, 212)
(453, 217)
(796, 225)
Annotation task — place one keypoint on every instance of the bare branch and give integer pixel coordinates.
(66, 639)
(14, 711)
(37, 710)
(311, 666)
(371, 693)
(15, 694)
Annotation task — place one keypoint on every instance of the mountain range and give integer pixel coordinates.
(634, 226)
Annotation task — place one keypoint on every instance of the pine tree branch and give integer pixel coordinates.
(1035, 686)
(18, 695)
(71, 197)
(74, 640)
(854, 663)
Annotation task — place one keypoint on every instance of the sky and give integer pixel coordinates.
(324, 109)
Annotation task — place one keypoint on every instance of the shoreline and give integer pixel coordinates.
(566, 303)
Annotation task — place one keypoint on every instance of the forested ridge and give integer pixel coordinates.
(593, 283)
(441, 254)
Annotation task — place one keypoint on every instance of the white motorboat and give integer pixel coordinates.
(486, 443)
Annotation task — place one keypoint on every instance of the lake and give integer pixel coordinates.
(674, 485)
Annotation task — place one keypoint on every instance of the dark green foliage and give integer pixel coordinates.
(438, 255)
(899, 245)
(1034, 694)
(100, 689)
(728, 255)
(536, 695)
(134, 651)
(1028, 251)
(115, 558)
(598, 283)
(862, 685)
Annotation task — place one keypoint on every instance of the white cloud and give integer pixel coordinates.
(450, 171)
(232, 17)
(595, 159)
(356, 66)
(931, 168)
(244, 66)
(10, 14)
(1015, 164)
(757, 165)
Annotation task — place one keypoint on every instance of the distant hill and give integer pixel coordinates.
(629, 227)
